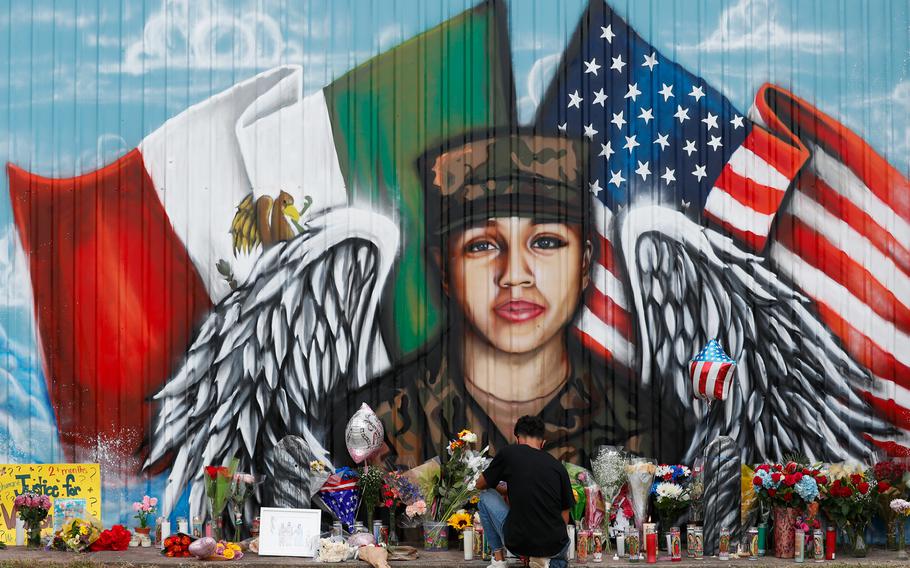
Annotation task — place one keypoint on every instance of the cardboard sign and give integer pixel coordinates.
(80, 482)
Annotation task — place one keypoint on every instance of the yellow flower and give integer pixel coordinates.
(460, 521)
(234, 546)
(475, 500)
(575, 494)
(83, 529)
(228, 553)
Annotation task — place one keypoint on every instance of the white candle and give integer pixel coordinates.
(468, 544)
(571, 530)
(165, 531)
(621, 544)
(20, 532)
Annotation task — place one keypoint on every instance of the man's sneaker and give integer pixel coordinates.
(498, 563)
(538, 562)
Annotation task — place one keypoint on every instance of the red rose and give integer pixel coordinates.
(797, 476)
(883, 486)
(821, 480)
(863, 487)
(756, 481)
(211, 471)
(764, 467)
(790, 480)
(856, 478)
(775, 477)
(788, 496)
(668, 476)
(790, 468)
(772, 492)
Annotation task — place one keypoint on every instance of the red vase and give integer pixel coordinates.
(784, 531)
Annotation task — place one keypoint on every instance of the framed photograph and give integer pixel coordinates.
(289, 532)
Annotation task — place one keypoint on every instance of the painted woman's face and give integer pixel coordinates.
(517, 281)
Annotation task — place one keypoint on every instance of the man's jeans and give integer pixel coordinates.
(493, 512)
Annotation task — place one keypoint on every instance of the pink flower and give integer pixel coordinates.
(137, 506)
(153, 501)
(145, 500)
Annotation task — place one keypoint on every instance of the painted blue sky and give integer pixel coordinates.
(81, 82)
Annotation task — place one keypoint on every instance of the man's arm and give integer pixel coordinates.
(481, 483)
(565, 516)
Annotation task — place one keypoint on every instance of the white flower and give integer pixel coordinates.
(469, 437)
(671, 491)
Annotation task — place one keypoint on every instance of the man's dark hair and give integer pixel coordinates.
(530, 427)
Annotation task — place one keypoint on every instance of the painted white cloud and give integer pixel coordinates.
(204, 35)
(754, 25)
(15, 285)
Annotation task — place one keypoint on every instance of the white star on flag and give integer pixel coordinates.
(650, 61)
(633, 92)
(618, 120)
(562, 127)
(646, 114)
(618, 63)
(715, 142)
(681, 113)
(606, 150)
(710, 120)
(631, 143)
(697, 92)
(599, 97)
(666, 91)
(595, 187)
(589, 130)
(689, 147)
(669, 175)
(737, 122)
(574, 100)
(662, 140)
(592, 66)
(699, 172)
(616, 177)
(643, 170)
(607, 33)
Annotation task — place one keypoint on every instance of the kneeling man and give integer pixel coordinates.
(526, 500)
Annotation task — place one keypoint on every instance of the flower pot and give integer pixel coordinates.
(784, 531)
(435, 536)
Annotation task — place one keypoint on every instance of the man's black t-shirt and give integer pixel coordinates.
(539, 491)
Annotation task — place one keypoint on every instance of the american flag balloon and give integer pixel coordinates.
(341, 495)
(712, 372)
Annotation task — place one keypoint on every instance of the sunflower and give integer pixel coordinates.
(460, 521)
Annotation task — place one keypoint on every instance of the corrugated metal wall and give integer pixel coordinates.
(232, 222)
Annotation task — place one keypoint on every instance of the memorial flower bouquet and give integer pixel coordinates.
(901, 509)
(457, 478)
(670, 500)
(890, 484)
(640, 472)
(145, 509)
(219, 481)
(32, 509)
(849, 501)
(371, 484)
(609, 470)
(76, 535)
(788, 485)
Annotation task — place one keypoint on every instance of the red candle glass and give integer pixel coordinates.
(652, 548)
(830, 543)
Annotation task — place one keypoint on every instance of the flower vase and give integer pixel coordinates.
(393, 529)
(901, 551)
(891, 532)
(858, 548)
(784, 531)
(435, 536)
(33, 534)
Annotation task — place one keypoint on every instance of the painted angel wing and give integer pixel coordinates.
(795, 390)
(302, 326)
(244, 232)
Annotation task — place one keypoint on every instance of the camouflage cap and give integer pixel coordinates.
(472, 179)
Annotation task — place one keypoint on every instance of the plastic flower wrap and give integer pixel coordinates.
(609, 470)
(640, 472)
(76, 535)
(218, 483)
(425, 477)
(588, 502)
(341, 495)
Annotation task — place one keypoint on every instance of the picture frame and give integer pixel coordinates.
(289, 532)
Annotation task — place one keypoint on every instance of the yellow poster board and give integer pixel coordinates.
(57, 481)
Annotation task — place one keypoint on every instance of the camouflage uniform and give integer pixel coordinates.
(424, 403)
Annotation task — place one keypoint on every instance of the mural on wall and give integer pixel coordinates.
(412, 237)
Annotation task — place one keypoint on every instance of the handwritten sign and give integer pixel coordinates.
(63, 481)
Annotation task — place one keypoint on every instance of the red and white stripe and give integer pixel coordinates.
(750, 188)
(844, 239)
(605, 323)
(711, 380)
